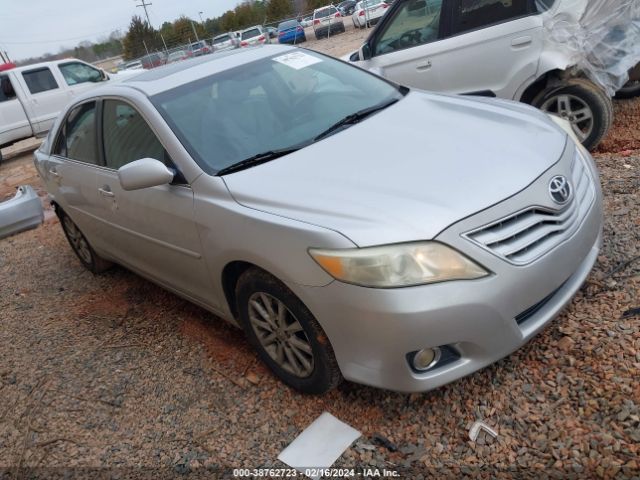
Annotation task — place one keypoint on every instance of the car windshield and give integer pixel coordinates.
(222, 39)
(254, 32)
(279, 102)
(287, 25)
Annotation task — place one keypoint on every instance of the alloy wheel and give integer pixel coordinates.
(77, 240)
(574, 110)
(280, 334)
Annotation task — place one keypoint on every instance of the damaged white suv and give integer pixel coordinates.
(534, 51)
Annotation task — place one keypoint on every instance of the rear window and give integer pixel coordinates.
(254, 32)
(288, 24)
(40, 80)
(222, 39)
(325, 12)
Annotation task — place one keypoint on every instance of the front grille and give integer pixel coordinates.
(527, 235)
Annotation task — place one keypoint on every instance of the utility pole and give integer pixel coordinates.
(145, 5)
(194, 30)
(201, 20)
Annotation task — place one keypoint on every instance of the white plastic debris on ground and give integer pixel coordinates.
(602, 37)
(320, 444)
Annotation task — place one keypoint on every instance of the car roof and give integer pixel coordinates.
(324, 8)
(170, 76)
(45, 64)
(251, 28)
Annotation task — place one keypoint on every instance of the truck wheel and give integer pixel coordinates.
(285, 333)
(629, 90)
(583, 104)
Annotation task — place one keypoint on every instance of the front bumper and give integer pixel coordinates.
(373, 330)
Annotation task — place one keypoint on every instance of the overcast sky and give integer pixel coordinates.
(30, 28)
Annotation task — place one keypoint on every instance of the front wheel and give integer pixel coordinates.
(285, 334)
(587, 108)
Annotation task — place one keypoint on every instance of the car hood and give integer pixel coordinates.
(409, 171)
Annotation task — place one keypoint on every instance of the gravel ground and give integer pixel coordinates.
(112, 372)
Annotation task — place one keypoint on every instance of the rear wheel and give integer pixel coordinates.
(88, 257)
(285, 334)
(581, 103)
(630, 90)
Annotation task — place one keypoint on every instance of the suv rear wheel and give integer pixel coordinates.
(583, 104)
(629, 90)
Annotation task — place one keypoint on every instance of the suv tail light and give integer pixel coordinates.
(338, 15)
(316, 21)
(361, 14)
(261, 38)
(243, 43)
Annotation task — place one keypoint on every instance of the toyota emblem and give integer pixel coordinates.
(560, 189)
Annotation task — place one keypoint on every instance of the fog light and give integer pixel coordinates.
(426, 358)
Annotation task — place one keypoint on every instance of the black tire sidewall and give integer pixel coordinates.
(93, 266)
(326, 374)
(631, 92)
(595, 100)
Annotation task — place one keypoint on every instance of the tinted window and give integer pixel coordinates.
(40, 80)
(222, 39)
(473, 14)
(6, 89)
(75, 73)
(288, 24)
(417, 22)
(250, 33)
(127, 137)
(77, 139)
(273, 103)
(325, 12)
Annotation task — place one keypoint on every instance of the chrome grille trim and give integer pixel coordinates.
(525, 236)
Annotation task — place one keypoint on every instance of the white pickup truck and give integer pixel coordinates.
(31, 97)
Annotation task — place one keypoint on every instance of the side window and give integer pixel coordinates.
(6, 89)
(76, 72)
(474, 14)
(77, 137)
(127, 137)
(40, 80)
(417, 22)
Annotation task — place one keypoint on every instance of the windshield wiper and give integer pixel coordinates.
(257, 159)
(354, 118)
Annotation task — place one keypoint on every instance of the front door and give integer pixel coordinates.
(151, 230)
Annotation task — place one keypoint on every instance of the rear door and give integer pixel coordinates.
(14, 123)
(47, 97)
(70, 171)
(405, 44)
(494, 48)
(151, 230)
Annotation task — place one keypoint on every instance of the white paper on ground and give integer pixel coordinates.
(320, 444)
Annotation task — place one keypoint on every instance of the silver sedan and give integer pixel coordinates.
(352, 227)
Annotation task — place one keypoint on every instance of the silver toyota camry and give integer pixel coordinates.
(352, 227)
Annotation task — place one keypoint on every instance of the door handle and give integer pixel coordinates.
(521, 41)
(106, 192)
(424, 65)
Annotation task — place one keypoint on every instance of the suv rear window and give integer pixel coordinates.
(254, 32)
(325, 12)
(288, 24)
(471, 14)
(222, 39)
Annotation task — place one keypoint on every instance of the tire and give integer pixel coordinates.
(80, 246)
(318, 36)
(630, 90)
(259, 296)
(579, 95)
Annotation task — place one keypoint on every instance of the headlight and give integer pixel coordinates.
(399, 265)
(566, 126)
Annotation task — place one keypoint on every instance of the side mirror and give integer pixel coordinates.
(104, 75)
(144, 173)
(365, 52)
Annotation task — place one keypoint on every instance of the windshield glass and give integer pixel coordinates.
(325, 12)
(250, 33)
(274, 103)
(221, 39)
